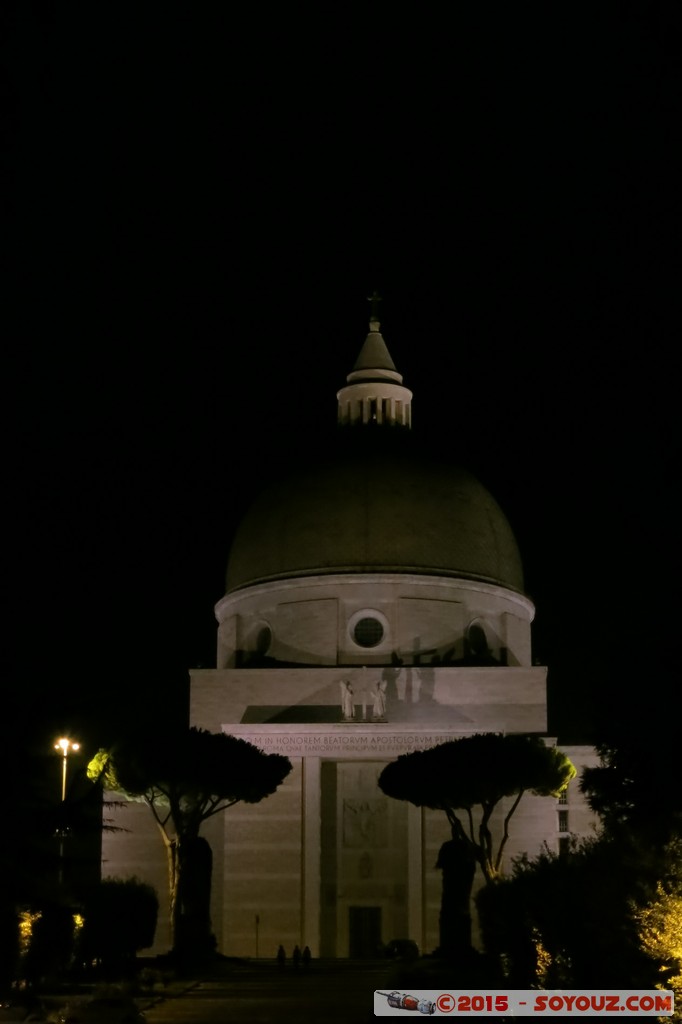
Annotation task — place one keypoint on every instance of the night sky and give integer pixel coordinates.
(197, 204)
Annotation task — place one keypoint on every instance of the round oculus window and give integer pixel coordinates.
(368, 632)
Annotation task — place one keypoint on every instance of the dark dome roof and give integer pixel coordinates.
(376, 511)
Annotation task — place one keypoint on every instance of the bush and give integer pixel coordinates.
(120, 919)
(51, 946)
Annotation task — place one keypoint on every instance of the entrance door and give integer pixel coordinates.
(364, 931)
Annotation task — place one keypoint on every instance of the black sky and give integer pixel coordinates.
(197, 204)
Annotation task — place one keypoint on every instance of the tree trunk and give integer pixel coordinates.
(190, 863)
(457, 861)
(195, 939)
(174, 871)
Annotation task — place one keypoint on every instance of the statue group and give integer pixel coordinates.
(377, 695)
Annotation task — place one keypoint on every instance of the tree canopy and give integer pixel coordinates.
(636, 785)
(189, 775)
(185, 778)
(478, 772)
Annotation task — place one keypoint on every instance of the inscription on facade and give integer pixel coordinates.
(339, 744)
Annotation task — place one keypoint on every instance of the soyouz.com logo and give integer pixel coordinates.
(575, 1003)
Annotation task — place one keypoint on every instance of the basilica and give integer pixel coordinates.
(374, 605)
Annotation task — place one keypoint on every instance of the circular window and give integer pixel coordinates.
(478, 641)
(368, 632)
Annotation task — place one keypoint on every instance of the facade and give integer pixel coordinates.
(374, 606)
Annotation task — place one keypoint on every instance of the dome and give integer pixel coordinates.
(376, 509)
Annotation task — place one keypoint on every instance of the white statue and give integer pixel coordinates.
(379, 699)
(347, 706)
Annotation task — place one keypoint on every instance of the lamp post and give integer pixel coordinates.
(66, 746)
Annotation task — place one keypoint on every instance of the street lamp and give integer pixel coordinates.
(66, 746)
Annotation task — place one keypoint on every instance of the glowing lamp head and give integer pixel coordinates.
(66, 745)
